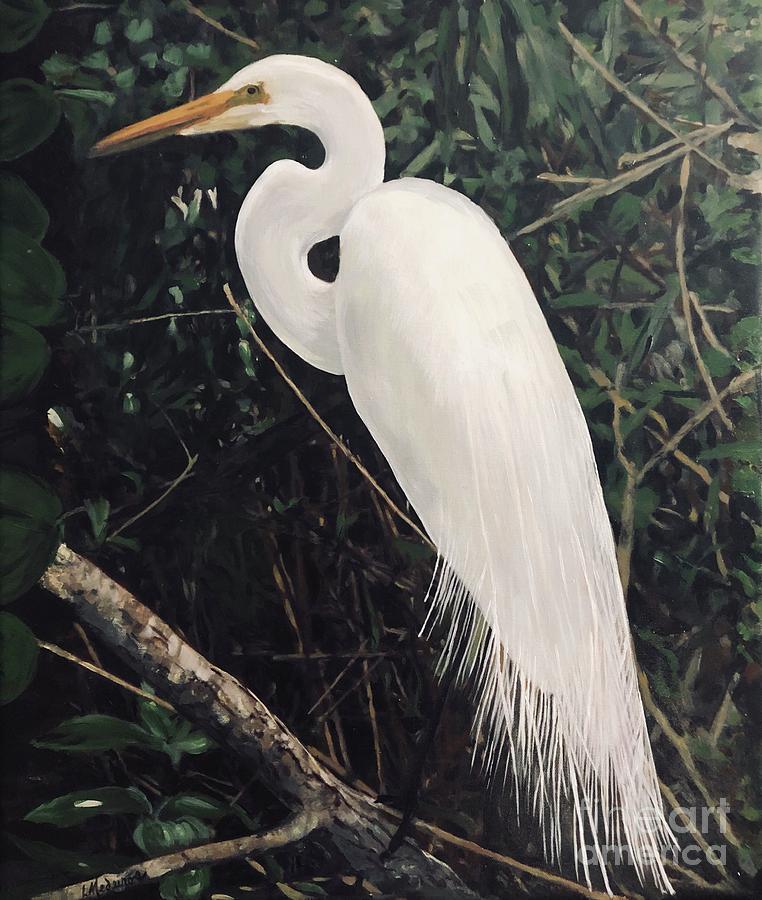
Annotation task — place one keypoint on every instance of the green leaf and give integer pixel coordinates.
(56, 860)
(200, 806)
(20, 20)
(749, 451)
(625, 213)
(29, 512)
(310, 888)
(28, 114)
(31, 280)
(155, 837)
(79, 806)
(96, 733)
(578, 299)
(98, 511)
(157, 720)
(21, 208)
(188, 885)
(746, 334)
(88, 95)
(139, 30)
(18, 657)
(24, 356)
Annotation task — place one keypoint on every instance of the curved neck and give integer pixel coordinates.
(291, 208)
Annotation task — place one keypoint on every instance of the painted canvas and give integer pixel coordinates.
(381, 466)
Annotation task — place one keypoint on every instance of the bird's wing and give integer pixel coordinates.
(452, 367)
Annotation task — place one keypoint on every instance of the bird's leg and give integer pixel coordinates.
(412, 784)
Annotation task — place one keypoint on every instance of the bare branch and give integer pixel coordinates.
(618, 182)
(295, 829)
(579, 48)
(689, 63)
(218, 26)
(738, 385)
(226, 710)
(685, 295)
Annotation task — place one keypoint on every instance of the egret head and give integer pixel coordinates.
(278, 90)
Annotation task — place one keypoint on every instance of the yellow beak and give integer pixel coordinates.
(164, 124)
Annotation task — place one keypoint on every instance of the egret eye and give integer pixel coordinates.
(252, 90)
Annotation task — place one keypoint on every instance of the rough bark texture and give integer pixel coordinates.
(235, 717)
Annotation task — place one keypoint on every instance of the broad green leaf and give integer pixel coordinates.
(18, 657)
(78, 862)
(79, 806)
(28, 114)
(24, 356)
(21, 208)
(98, 512)
(201, 806)
(31, 280)
(625, 213)
(746, 335)
(20, 20)
(97, 733)
(158, 721)
(155, 837)
(189, 885)
(29, 512)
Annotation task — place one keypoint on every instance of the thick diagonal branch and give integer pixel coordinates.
(296, 828)
(232, 714)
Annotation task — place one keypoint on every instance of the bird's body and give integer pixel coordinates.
(451, 365)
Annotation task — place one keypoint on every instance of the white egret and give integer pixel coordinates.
(452, 367)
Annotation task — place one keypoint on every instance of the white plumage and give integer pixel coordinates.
(452, 367)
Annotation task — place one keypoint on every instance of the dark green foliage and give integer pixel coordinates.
(28, 114)
(28, 533)
(18, 657)
(270, 546)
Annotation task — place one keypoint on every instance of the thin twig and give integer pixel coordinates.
(613, 185)
(739, 384)
(192, 460)
(720, 719)
(685, 170)
(627, 510)
(691, 826)
(706, 327)
(113, 326)
(568, 179)
(336, 680)
(374, 729)
(218, 26)
(356, 684)
(681, 746)
(631, 159)
(689, 63)
(294, 829)
(97, 670)
(579, 48)
(326, 428)
(703, 473)
(484, 853)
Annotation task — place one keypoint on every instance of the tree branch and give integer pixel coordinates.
(233, 715)
(583, 53)
(293, 830)
(621, 181)
(690, 64)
